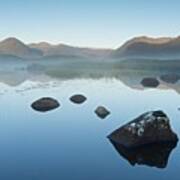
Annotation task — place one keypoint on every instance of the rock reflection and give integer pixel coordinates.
(154, 155)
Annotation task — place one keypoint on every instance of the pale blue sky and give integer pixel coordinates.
(95, 23)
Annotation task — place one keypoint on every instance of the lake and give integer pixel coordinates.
(71, 142)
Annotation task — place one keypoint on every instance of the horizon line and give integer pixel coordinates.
(88, 47)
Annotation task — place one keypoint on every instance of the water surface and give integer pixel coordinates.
(71, 141)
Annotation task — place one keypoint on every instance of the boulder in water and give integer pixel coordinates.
(45, 104)
(150, 82)
(78, 99)
(102, 112)
(151, 127)
(153, 155)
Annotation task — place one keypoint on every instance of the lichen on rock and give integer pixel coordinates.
(150, 127)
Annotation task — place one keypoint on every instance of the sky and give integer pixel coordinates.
(88, 23)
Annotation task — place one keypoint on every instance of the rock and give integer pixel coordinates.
(45, 104)
(155, 155)
(150, 82)
(78, 99)
(151, 127)
(102, 112)
(170, 78)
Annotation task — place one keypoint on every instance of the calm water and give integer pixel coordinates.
(71, 141)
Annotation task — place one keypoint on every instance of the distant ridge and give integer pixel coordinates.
(146, 47)
(137, 48)
(15, 47)
(66, 50)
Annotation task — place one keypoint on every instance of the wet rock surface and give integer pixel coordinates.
(45, 104)
(170, 78)
(78, 99)
(153, 155)
(151, 127)
(102, 112)
(150, 82)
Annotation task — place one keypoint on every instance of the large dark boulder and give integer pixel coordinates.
(170, 78)
(45, 104)
(153, 155)
(102, 112)
(78, 99)
(150, 82)
(151, 127)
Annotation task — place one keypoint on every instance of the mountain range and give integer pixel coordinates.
(136, 48)
(151, 48)
(16, 48)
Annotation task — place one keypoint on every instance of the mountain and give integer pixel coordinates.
(149, 48)
(14, 47)
(137, 48)
(69, 51)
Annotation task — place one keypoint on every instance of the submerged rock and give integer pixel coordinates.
(150, 82)
(151, 127)
(170, 78)
(45, 104)
(78, 99)
(102, 112)
(154, 155)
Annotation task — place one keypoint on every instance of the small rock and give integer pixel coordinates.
(170, 78)
(102, 112)
(151, 127)
(78, 99)
(150, 82)
(45, 104)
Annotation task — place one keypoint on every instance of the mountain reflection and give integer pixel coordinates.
(154, 155)
(129, 73)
